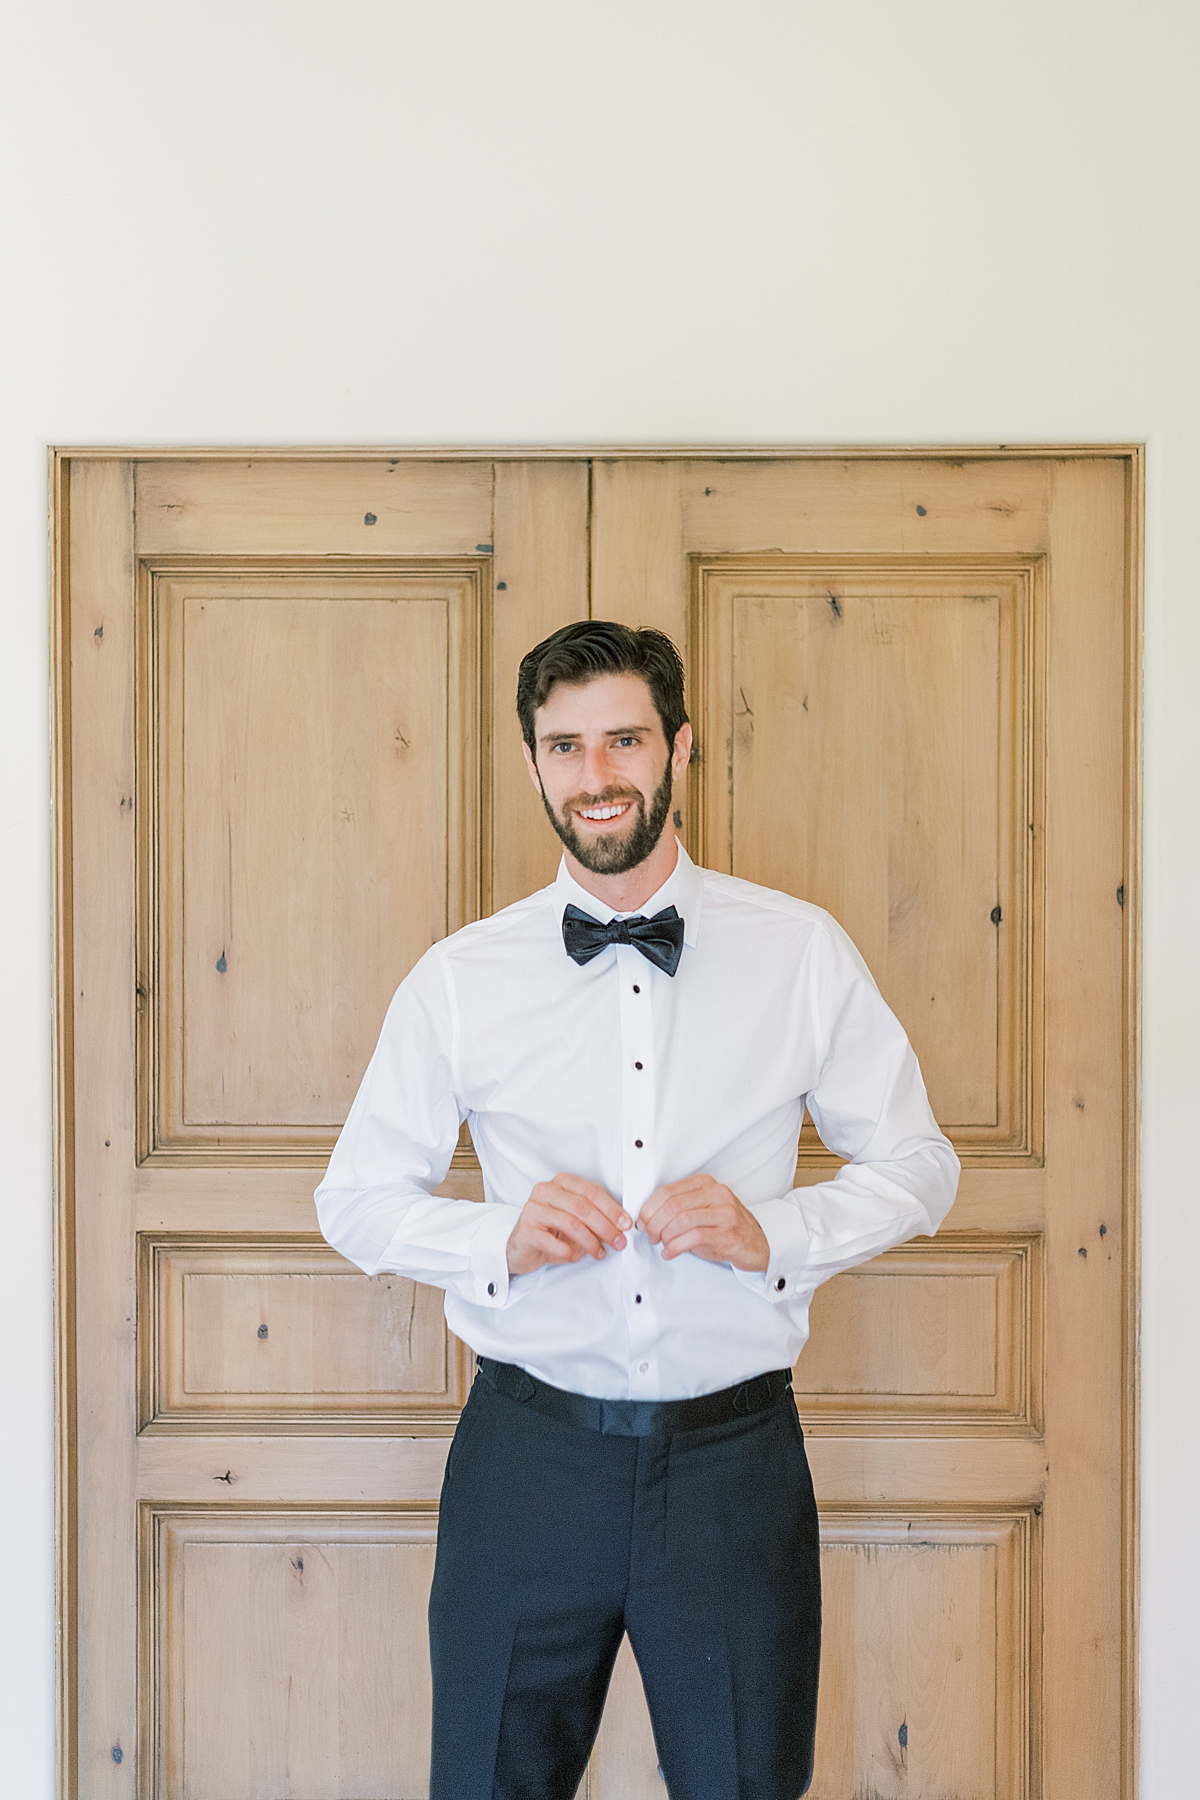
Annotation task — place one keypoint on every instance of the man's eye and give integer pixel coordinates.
(625, 742)
(562, 746)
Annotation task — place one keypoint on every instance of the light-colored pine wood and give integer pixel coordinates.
(639, 561)
(66, 1458)
(309, 808)
(99, 560)
(913, 505)
(268, 506)
(541, 583)
(1085, 842)
(948, 1715)
(965, 745)
(944, 1337)
(255, 1333)
(206, 1469)
(624, 1764)
(319, 1688)
(1131, 1038)
(970, 1429)
(951, 1719)
(954, 455)
(283, 738)
(909, 701)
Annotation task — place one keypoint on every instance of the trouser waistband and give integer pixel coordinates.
(635, 1418)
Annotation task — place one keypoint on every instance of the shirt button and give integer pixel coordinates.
(637, 1143)
(638, 1299)
(636, 988)
(781, 1284)
(642, 1367)
(637, 1065)
(491, 1287)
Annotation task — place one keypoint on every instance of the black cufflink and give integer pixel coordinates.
(491, 1287)
(781, 1284)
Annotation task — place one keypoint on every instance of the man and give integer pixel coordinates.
(634, 1048)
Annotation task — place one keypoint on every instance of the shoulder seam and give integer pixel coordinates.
(495, 923)
(772, 900)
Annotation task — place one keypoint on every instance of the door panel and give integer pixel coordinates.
(905, 703)
(263, 507)
(889, 723)
(941, 1336)
(953, 1716)
(249, 1333)
(286, 756)
(310, 808)
(321, 1684)
(292, 763)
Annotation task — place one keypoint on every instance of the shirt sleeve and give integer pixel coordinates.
(375, 1204)
(868, 1105)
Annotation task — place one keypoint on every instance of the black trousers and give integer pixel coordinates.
(556, 1540)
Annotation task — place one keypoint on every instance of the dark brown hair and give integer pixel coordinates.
(590, 647)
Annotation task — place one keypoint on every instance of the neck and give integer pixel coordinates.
(629, 892)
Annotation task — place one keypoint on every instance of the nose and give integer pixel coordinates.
(597, 772)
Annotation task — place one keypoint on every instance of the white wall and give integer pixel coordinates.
(604, 220)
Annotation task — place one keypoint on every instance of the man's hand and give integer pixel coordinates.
(564, 1220)
(702, 1216)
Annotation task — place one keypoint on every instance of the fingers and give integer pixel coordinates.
(701, 1241)
(572, 1231)
(563, 1221)
(592, 1192)
(569, 1218)
(704, 1217)
(669, 1201)
(545, 1235)
(593, 1207)
(734, 1237)
(537, 1244)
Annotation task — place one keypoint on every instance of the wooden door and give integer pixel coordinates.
(293, 764)
(909, 682)
(289, 762)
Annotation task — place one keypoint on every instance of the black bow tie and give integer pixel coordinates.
(659, 939)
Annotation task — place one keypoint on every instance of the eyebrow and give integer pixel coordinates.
(557, 737)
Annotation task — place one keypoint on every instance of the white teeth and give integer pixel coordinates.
(602, 812)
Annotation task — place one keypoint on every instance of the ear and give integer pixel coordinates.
(532, 767)
(681, 755)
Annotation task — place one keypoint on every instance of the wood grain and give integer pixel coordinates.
(993, 1409)
(287, 1645)
(1049, 787)
(942, 1337)
(254, 1332)
(907, 702)
(541, 583)
(262, 507)
(931, 1623)
(309, 800)
(100, 1098)
(1085, 1214)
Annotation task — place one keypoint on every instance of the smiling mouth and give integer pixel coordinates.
(599, 815)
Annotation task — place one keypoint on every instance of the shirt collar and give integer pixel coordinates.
(682, 890)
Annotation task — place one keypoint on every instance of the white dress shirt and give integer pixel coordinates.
(630, 1077)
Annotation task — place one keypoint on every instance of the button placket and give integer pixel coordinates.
(637, 1076)
(637, 1155)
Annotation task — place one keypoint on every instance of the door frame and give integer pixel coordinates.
(65, 1392)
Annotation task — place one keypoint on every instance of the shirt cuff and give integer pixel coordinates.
(489, 1253)
(787, 1238)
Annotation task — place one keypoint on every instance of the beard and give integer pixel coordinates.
(616, 853)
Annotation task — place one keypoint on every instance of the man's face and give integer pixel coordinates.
(604, 770)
